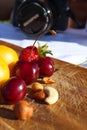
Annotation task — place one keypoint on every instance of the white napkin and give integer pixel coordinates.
(70, 45)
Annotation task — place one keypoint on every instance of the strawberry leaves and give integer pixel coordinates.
(43, 50)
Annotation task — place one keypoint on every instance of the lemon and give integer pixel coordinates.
(9, 55)
(4, 72)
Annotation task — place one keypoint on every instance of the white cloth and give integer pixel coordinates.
(70, 45)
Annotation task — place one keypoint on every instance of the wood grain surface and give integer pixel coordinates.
(69, 113)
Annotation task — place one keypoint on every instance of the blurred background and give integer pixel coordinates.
(79, 8)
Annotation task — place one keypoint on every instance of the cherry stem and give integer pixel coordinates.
(37, 39)
(35, 43)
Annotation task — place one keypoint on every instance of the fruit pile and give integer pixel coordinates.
(19, 71)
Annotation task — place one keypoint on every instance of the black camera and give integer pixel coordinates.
(36, 17)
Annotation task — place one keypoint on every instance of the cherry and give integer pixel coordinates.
(14, 90)
(28, 71)
(46, 66)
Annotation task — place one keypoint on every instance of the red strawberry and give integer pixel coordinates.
(32, 53)
(29, 53)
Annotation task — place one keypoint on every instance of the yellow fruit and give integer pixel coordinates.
(4, 72)
(9, 55)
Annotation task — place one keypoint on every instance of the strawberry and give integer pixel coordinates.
(33, 53)
(29, 53)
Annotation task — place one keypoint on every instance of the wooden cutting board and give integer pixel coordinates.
(69, 113)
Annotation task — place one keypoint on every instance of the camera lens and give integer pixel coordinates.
(34, 18)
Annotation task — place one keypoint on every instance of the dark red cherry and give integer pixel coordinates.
(46, 66)
(28, 71)
(14, 90)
